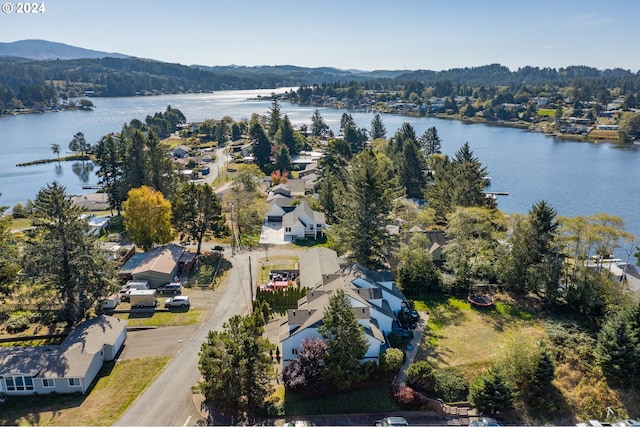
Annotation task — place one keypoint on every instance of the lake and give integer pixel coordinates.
(576, 178)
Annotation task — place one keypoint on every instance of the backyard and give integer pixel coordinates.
(462, 341)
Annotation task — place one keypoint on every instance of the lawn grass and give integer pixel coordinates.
(117, 386)
(464, 336)
(547, 112)
(19, 224)
(162, 318)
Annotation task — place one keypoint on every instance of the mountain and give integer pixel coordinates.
(46, 50)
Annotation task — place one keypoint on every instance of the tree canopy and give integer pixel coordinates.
(147, 217)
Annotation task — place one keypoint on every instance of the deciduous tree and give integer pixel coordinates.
(147, 217)
(305, 371)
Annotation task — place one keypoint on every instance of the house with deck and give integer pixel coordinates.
(303, 223)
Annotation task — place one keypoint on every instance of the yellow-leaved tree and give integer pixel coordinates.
(147, 217)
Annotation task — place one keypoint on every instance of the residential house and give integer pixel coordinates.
(303, 222)
(69, 367)
(158, 266)
(316, 265)
(181, 151)
(375, 299)
(280, 205)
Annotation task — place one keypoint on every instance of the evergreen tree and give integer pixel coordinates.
(490, 393)
(197, 213)
(616, 350)
(378, 130)
(546, 370)
(287, 136)
(274, 117)
(417, 275)
(79, 144)
(282, 159)
(318, 126)
(110, 161)
(62, 257)
(9, 262)
(369, 194)
(459, 182)
(159, 173)
(346, 341)
(236, 368)
(261, 145)
(430, 142)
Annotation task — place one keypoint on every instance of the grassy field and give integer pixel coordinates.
(464, 336)
(163, 318)
(467, 338)
(117, 386)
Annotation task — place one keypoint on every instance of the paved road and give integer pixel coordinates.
(169, 400)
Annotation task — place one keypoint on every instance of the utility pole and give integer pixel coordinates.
(250, 288)
(233, 233)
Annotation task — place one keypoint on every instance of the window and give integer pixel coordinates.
(48, 382)
(74, 382)
(294, 351)
(287, 229)
(18, 383)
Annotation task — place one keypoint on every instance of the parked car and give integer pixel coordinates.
(484, 422)
(171, 288)
(392, 421)
(627, 423)
(177, 301)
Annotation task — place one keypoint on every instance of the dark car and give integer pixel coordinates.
(171, 288)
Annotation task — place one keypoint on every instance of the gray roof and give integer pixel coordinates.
(294, 216)
(71, 359)
(162, 259)
(315, 264)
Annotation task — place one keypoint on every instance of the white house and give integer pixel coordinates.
(303, 222)
(304, 322)
(68, 368)
(374, 296)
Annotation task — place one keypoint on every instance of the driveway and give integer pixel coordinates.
(272, 234)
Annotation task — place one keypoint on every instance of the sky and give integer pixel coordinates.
(347, 34)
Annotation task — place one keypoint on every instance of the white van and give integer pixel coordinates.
(139, 285)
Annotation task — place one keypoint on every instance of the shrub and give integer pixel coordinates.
(450, 385)
(420, 375)
(18, 321)
(410, 398)
(391, 360)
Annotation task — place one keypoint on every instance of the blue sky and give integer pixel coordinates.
(348, 34)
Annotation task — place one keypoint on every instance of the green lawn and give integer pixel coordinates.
(175, 317)
(117, 386)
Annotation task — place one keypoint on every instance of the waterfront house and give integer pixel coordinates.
(69, 367)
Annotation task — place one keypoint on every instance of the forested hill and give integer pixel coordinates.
(108, 76)
(129, 76)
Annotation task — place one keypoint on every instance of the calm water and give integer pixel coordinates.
(576, 178)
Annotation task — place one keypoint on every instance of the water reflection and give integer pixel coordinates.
(58, 169)
(84, 170)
